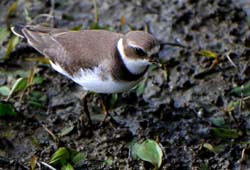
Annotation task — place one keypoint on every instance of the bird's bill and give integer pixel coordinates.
(154, 59)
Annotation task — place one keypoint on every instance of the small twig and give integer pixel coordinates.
(51, 12)
(55, 138)
(48, 166)
(230, 60)
(243, 154)
(42, 15)
(48, 16)
(245, 67)
(96, 12)
(246, 98)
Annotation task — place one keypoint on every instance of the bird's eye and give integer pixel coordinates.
(140, 52)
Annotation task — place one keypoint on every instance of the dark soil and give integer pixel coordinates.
(182, 106)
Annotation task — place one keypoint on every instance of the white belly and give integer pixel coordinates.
(97, 80)
(107, 86)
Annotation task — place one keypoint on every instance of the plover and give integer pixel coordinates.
(98, 60)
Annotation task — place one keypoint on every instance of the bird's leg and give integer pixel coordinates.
(85, 130)
(107, 117)
(84, 103)
(104, 109)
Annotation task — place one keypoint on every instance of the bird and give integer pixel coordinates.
(100, 61)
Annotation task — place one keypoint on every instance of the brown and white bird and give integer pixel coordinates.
(98, 60)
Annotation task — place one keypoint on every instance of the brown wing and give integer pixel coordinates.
(70, 49)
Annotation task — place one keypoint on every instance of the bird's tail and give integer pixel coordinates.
(17, 30)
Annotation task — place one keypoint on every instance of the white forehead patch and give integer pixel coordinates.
(135, 66)
(132, 44)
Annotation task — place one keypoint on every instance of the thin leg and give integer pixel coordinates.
(107, 117)
(85, 130)
(84, 102)
(104, 109)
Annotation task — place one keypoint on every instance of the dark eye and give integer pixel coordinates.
(140, 52)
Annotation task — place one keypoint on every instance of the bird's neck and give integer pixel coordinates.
(135, 66)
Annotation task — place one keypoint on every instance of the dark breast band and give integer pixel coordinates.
(120, 71)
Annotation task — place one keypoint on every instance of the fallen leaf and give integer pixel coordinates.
(243, 90)
(12, 9)
(78, 157)
(67, 167)
(218, 121)
(4, 90)
(19, 85)
(60, 157)
(33, 162)
(7, 110)
(10, 46)
(225, 133)
(4, 33)
(208, 53)
(149, 151)
(214, 148)
(66, 130)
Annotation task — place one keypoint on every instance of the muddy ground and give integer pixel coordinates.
(197, 108)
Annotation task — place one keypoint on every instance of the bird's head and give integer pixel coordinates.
(138, 49)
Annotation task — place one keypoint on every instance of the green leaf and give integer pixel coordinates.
(67, 167)
(7, 110)
(243, 90)
(10, 46)
(95, 26)
(33, 162)
(77, 28)
(224, 133)
(27, 15)
(4, 33)
(208, 53)
(109, 161)
(14, 73)
(37, 80)
(37, 99)
(12, 9)
(213, 148)
(149, 151)
(232, 105)
(66, 130)
(113, 100)
(4, 90)
(36, 104)
(64, 156)
(38, 59)
(78, 158)
(19, 85)
(208, 146)
(96, 13)
(203, 166)
(218, 121)
(60, 157)
(140, 88)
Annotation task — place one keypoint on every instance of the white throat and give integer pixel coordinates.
(135, 66)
